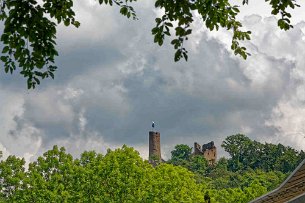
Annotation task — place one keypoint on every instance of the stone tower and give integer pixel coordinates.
(154, 146)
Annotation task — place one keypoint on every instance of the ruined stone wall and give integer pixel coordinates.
(197, 149)
(210, 155)
(209, 151)
(154, 146)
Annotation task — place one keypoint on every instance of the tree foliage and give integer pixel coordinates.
(12, 173)
(121, 175)
(181, 152)
(252, 169)
(30, 26)
(118, 176)
(246, 153)
(182, 156)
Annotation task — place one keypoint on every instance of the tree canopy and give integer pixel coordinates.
(118, 176)
(245, 153)
(121, 175)
(29, 33)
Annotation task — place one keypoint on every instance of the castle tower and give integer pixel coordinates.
(154, 146)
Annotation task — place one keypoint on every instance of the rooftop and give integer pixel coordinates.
(291, 190)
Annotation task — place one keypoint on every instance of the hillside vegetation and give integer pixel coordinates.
(121, 175)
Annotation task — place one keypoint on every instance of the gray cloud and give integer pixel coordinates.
(113, 81)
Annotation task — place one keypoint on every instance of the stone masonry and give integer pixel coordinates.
(154, 146)
(208, 150)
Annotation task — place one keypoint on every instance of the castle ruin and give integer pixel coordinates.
(208, 151)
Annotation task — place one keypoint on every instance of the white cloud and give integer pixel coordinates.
(288, 119)
(97, 23)
(16, 139)
(50, 107)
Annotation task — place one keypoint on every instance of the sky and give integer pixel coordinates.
(113, 81)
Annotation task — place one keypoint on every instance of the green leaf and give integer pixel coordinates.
(185, 56)
(177, 55)
(5, 49)
(67, 22)
(4, 58)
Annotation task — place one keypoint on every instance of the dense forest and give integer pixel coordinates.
(121, 175)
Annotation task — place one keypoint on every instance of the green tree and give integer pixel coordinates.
(237, 146)
(174, 184)
(88, 182)
(287, 161)
(30, 28)
(198, 164)
(124, 176)
(246, 153)
(181, 152)
(12, 174)
(121, 175)
(182, 156)
(50, 178)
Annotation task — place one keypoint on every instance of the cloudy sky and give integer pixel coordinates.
(113, 81)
